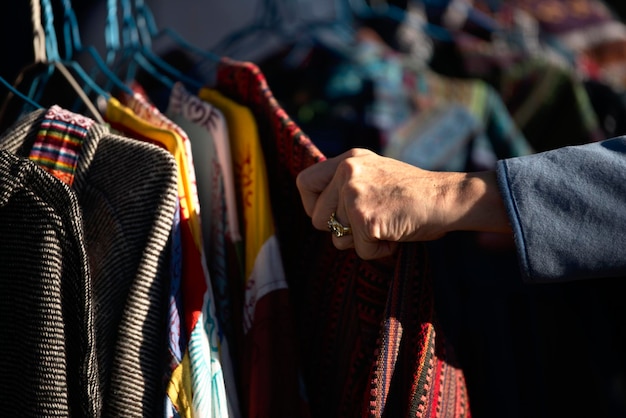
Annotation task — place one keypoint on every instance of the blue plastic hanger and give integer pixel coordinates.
(134, 54)
(146, 30)
(149, 33)
(54, 60)
(39, 55)
(74, 45)
(53, 55)
(123, 54)
(48, 61)
(19, 94)
(206, 60)
(268, 22)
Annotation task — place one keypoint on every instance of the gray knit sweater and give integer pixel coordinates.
(47, 341)
(127, 194)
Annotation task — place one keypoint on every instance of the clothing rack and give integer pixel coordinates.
(156, 258)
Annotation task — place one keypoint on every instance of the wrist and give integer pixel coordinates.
(473, 203)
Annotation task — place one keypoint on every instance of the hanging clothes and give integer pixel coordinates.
(200, 375)
(510, 337)
(586, 28)
(404, 88)
(209, 139)
(439, 139)
(548, 102)
(123, 215)
(266, 318)
(334, 123)
(367, 330)
(270, 387)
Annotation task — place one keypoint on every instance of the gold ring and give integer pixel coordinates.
(337, 228)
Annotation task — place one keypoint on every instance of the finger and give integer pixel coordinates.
(313, 180)
(374, 249)
(343, 243)
(347, 241)
(326, 204)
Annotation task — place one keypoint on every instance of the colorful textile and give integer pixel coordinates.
(546, 99)
(579, 24)
(267, 383)
(404, 88)
(440, 140)
(370, 64)
(503, 137)
(59, 141)
(206, 128)
(249, 167)
(351, 344)
(585, 30)
(199, 376)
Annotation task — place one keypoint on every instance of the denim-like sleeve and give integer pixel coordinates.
(567, 208)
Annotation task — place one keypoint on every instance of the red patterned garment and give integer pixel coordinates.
(366, 330)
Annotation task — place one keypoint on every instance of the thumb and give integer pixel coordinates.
(312, 181)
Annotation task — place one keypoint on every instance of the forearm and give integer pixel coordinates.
(473, 203)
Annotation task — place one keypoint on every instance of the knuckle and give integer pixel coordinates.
(346, 168)
(358, 152)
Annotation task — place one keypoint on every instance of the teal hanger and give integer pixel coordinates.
(19, 94)
(53, 55)
(149, 33)
(54, 63)
(268, 22)
(39, 55)
(47, 62)
(281, 21)
(27, 105)
(133, 54)
(126, 56)
(74, 45)
(146, 31)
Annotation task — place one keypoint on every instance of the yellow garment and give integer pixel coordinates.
(250, 173)
(117, 113)
(179, 388)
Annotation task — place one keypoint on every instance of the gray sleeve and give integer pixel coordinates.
(567, 208)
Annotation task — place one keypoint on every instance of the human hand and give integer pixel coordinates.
(386, 201)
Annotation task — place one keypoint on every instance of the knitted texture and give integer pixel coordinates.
(367, 329)
(48, 357)
(126, 191)
(59, 141)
